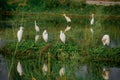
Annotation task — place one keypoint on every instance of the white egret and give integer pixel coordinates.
(67, 28)
(106, 40)
(36, 38)
(45, 35)
(92, 20)
(67, 18)
(36, 27)
(62, 37)
(91, 29)
(20, 33)
(44, 69)
(62, 72)
(19, 68)
(105, 74)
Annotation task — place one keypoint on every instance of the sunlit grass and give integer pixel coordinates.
(81, 48)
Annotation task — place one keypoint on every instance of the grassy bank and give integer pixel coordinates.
(81, 48)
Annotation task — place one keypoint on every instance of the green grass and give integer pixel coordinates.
(81, 48)
(77, 50)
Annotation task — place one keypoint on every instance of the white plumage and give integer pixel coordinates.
(106, 40)
(36, 38)
(105, 74)
(62, 37)
(19, 34)
(67, 18)
(91, 29)
(19, 68)
(62, 72)
(45, 35)
(92, 20)
(67, 28)
(44, 69)
(36, 27)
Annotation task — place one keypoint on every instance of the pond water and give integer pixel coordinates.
(80, 71)
(2, 42)
(3, 69)
(86, 73)
(81, 36)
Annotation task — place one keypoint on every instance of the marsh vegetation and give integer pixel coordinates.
(83, 55)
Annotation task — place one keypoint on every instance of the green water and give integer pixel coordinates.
(83, 55)
(77, 66)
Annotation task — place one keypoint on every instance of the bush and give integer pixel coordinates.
(56, 3)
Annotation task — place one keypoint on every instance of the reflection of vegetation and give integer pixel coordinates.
(67, 55)
(80, 47)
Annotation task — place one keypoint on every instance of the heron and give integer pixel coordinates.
(19, 68)
(106, 40)
(92, 20)
(44, 69)
(67, 18)
(20, 33)
(62, 72)
(36, 38)
(67, 28)
(45, 35)
(62, 36)
(36, 27)
(91, 30)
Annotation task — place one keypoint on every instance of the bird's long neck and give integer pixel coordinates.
(65, 16)
(61, 32)
(44, 32)
(35, 23)
(92, 16)
(21, 29)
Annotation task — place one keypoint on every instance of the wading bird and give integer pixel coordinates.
(36, 38)
(44, 69)
(62, 37)
(45, 35)
(92, 20)
(67, 18)
(20, 33)
(91, 30)
(19, 68)
(36, 27)
(62, 72)
(106, 40)
(67, 28)
(105, 74)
